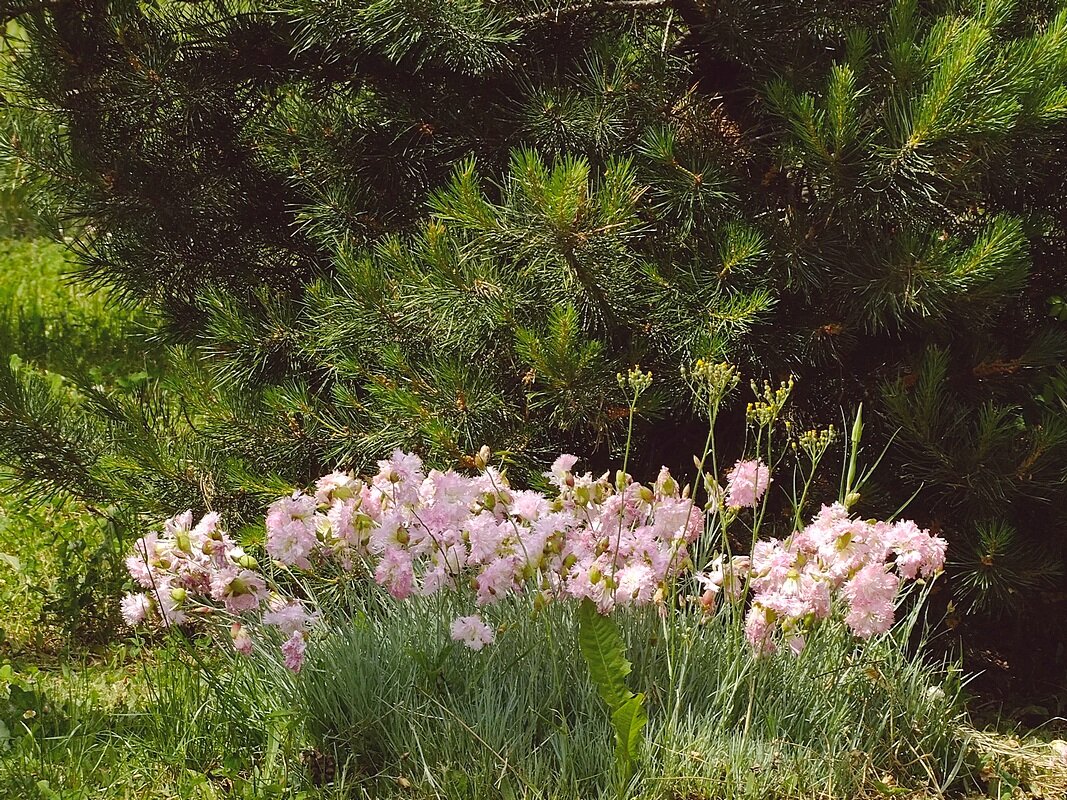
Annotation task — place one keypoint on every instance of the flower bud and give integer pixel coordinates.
(851, 499)
(242, 641)
(248, 562)
(402, 536)
(595, 575)
(646, 495)
(481, 460)
(490, 501)
(178, 594)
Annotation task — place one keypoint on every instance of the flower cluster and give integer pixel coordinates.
(192, 569)
(793, 582)
(616, 543)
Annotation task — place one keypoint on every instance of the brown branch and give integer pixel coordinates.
(605, 6)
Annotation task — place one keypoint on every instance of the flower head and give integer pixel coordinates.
(746, 483)
(136, 608)
(293, 651)
(472, 632)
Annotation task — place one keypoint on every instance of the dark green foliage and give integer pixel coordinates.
(437, 225)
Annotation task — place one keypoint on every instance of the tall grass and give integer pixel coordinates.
(406, 711)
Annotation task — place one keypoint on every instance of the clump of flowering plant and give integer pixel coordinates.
(610, 540)
(793, 582)
(618, 543)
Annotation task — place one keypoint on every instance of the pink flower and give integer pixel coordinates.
(293, 650)
(291, 529)
(496, 580)
(179, 523)
(335, 486)
(170, 600)
(395, 573)
(759, 629)
(139, 563)
(240, 590)
(917, 552)
(637, 584)
(289, 617)
(472, 632)
(529, 505)
(746, 483)
(871, 593)
(561, 469)
(400, 477)
(136, 608)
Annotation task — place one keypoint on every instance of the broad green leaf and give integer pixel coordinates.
(629, 720)
(604, 652)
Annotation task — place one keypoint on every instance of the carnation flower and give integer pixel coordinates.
(400, 477)
(291, 529)
(871, 594)
(335, 486)
(917, 552)
(288, 617)
(293, 651)
(138, 564)
(240, 590)
(759, 628)
(395, 573)
(136, 608)
(472, 632)
(561, 468)
(746, 483)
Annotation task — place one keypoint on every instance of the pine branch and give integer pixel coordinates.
(606, 6)
(9, 14)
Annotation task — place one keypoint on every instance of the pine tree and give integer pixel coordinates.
(436, 225)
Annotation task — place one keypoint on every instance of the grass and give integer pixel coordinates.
(385, 708)
(141, 724)
(62, 326)
(55, 565)
(411, 714)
